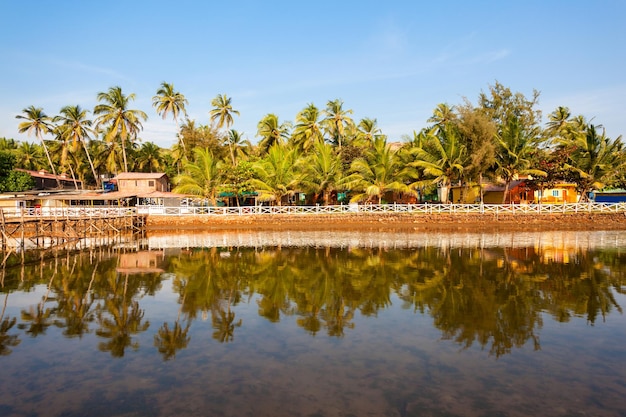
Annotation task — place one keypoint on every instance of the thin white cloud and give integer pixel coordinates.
(92, 69)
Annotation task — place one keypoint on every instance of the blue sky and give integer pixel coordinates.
(389, 60)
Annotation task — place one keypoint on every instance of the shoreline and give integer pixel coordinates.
(390, 221)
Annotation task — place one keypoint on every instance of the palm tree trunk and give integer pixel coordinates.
(54, 172)
(124, 154)
(93, 170)
(506, 191)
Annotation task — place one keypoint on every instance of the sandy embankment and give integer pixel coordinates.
(368, 221)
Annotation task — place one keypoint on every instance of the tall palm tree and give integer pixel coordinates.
(37, 122)
(336, 121)
(149, 158)
(308, 130)
(378, 172)
(223, 111)
(596, 158)
(169, 101)
(442, 115)
(277, 174)
(118, 121)
(513, 158)
(236, 144)
(441, 158)
(202, 177)
(559, 120)
(368, 131)
(323, 170)
(74, 127)
(272, 132)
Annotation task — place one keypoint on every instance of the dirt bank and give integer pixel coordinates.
(364, 221)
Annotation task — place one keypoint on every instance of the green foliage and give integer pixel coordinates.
(202, 177)
(7, 162)
(238, 179)
(17, 181)
(11, 180)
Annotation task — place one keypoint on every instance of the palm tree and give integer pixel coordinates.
(169, 101)
(368, 131)
(513, 156)
(442, 158)
(74, 127)
(149, 158)
(378, 172)
(308, 130)
(37, 122)
(118, 121)
(322, 172)
(595, 159)
(559, 120)
(64, 155)
(272, 132)
(202, 177)
(442, 115)
(277, 174)
(223, 111)
(8, 144)
(236, 144)
(28, 156)
(336, 121)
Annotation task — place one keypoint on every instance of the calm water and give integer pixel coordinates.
(320, 324)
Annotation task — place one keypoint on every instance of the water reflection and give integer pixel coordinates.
(473, 325)
(494, 297)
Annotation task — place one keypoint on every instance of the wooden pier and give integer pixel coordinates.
(45, 227)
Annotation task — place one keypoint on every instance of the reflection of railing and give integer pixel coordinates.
(91, 212)
(425, 208)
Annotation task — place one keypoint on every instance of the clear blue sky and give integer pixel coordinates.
(389, 60)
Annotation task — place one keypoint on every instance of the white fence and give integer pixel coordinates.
(64, 212)
(389, 208)
(426, 208)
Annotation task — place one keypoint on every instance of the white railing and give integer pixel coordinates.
(425, 208)
(63, 212)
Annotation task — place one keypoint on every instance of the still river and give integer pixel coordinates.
(320, 324)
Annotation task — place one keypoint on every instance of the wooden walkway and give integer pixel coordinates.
(44, 228)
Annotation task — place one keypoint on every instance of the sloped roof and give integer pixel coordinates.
(47, 175)
(140, 175)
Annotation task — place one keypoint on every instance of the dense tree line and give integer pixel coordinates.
(499, 138)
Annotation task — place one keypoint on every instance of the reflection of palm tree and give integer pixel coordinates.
(75, 303)
(7, 324)
(168, 341)
(39, 317)
(124, 321)
(224, 325)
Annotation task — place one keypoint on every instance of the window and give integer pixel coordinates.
(151, 183)
(555, 193)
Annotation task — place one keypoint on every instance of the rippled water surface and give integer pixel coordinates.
(320, 324)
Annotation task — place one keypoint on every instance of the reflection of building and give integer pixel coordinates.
(142, 262)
